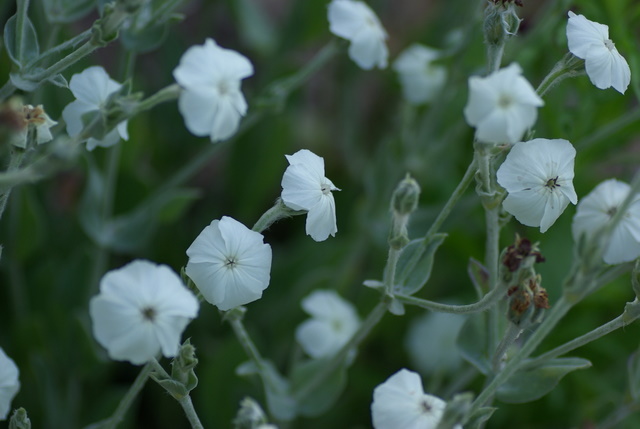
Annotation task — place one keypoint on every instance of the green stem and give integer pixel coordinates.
(274, 214)
(487, 302)
(169, 93)
(249, 347)
(64, 63)
(15, 161)
(390, 270)
(127, 400)
(492, 256)
(338, 359)
(512, 334)
(568, 66)
(67, 44)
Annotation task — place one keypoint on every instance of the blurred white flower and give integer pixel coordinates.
(92, 88)
(9, 383)
(304, 187)
(538, 175)
(421, 79)
(141, 310)
(598, 208)
(400, 403)
(37, 119)
(356, 22)
(212, 103)
(502, 106)
(333, 322)
(431, 342)
(604, 65)
(229, 263)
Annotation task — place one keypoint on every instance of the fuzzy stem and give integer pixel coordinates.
(487, 301)
(127, 400)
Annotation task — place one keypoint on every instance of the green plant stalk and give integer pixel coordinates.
(67, 44)
(127, 400)
(15, 161)
(487, 302)
(390, 270)
(367, 325)
(185, 401)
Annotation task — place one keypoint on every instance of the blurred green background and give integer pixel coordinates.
(369, 139)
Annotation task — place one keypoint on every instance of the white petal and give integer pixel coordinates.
(582, 34)
(368, 49)
(230, 110)
(346, 17)
(9, 383)
(317, 338)
(93, 86)
(321, 219)
(598, 64)
(198, 109)
(72, 115)
(415, 59)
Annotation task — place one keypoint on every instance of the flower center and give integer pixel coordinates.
(552, 183)
(609, 44)
(223, 87)
(505, 101)
(231, 262)
(325, 188)
(149, 313)
(612, 211)
(426, 407)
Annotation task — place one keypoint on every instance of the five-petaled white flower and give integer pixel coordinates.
(597, 209)
(9, 383)
(604, 65)
(421, 79)
(355, 21)
(400, 403)
(304, 187)
(502, 106)
(229, 263)
(333, 322)
(538, 175)
(212, 103)
(141, 310)
(92, 88)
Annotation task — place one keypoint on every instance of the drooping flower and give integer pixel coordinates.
(590, 41)
(502, 106)
(421, 79)
(333, 322)
(212, 103)
(92, 87)
(141, 310)
(597, 209)
(304, 187)
(37, 119)
(538, 175)
(229, 263)
(400, 403)
(9, 383)
(355, 21)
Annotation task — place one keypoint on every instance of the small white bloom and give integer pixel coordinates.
(597, 209)
(92, 88)
(229, 263)
(333, 322)
(304, 187)
(141, 310)
(590, 41)
(421, 79)
(400, 403)
(502, 106)
(431, 342)
(34, 118)
(538, 175)
(9, 383)
(212, 103)
(356, 22)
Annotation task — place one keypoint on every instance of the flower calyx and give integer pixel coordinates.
(527, 302)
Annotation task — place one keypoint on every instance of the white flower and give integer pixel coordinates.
(304, 187)
(356, 22)
(590, 41)
(333, 322)
(597, 209)
(141, 310)
(400, 403)
(229, 263)
(431, 342)
(34, 118)
(538, 175)
(92, 88)
(421, 79)
(502, 106)
(9, 383)
(211, 102)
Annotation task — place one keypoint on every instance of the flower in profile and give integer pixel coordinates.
(304, 187)
(9, 383)
(229, 263)
(92, 88)
(333, 322)
(212, 103)
(502, 106)
(141, 310)
(37, 119)
(604, 65)
(355, 21)
(597, 209)
(400, 403)
(538, 175)
(421, 79)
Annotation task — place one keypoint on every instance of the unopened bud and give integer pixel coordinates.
(405, 198)
(20, 420)
(250, 415)
(500, 21)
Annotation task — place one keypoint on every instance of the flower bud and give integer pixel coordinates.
(500, 21)
(405, 198)
(183, 365)
(20, 420)
(250, 415)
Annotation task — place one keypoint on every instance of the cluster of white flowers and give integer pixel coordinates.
(333, 322)
(9, 383)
